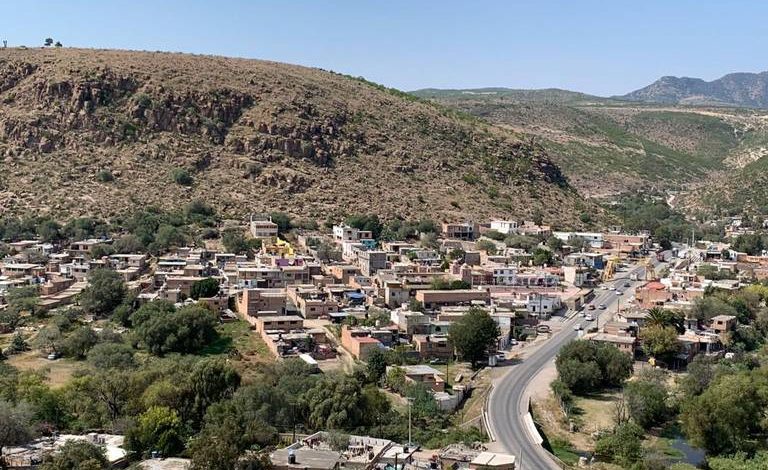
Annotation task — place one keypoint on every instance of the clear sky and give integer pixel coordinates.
(601, 47)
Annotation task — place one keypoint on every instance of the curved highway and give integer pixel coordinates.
(507, 404)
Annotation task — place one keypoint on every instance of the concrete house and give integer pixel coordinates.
(262, 226)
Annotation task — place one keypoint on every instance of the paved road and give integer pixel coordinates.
(507, 406)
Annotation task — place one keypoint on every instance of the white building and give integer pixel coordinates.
(504, 226)
(543, 304)
(262, 226)
(595, 239)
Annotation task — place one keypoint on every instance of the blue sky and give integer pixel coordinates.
(601, 47)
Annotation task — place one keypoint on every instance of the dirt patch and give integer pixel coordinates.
(58, 372)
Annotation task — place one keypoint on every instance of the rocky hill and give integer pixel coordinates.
(101, 132)
(735, 89)
(606, 147)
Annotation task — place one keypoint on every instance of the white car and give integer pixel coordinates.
(613, 287)
(601, 306)
(589, 317)
(618, 292)
(604, 287)
(577, 327)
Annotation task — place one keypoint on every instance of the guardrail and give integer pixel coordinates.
(486, 421)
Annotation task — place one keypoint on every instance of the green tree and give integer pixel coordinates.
(554, 244)
(10, 318)
(204, 288)
(647, 402)
(15, 425)
(77, 455)
(487, 246)
(542, 256)
(377, 365)
(474, 334)
(660, 342)
(168, 236)
(704, 308)
(369, 222)
(282, 220)
(211, 380)
(49, 231)
(22, 300)
(185, 330)
(234, 241)
(48, 338)
(584, 366)
(79, 342)
(128, 244)
(159, 428)
(336, 403)
(521, 241)
(104, 292)
(662, 317)
(722, 419)
(111, 356)
(495, 235)
(622, 446)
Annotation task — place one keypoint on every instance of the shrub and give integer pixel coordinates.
(105, 176)
(182, 177)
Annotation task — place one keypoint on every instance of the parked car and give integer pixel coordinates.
(589, 317)
(53, 356)
(513, 342)
(577, 327)
(591, 307)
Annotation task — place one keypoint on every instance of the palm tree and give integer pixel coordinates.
(657, 317)
(661, 317)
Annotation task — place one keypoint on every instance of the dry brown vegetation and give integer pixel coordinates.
(253, 135)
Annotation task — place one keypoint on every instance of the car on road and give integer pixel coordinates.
(601, 306)
(604, 287)
(577, 327)
(618, 292)
(626, 284)
(589, 317)
(590, 307)
(613, 287)
(513, 342)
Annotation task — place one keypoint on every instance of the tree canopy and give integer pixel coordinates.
(474, 334)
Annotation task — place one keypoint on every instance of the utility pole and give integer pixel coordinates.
(410, 405)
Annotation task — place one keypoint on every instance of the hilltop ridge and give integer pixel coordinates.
(734, 89)
(253, 135)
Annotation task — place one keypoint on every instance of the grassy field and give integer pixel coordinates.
(243, 345)
(58, 372)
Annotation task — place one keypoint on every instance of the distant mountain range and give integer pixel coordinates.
(744, 90)
(735, 89)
